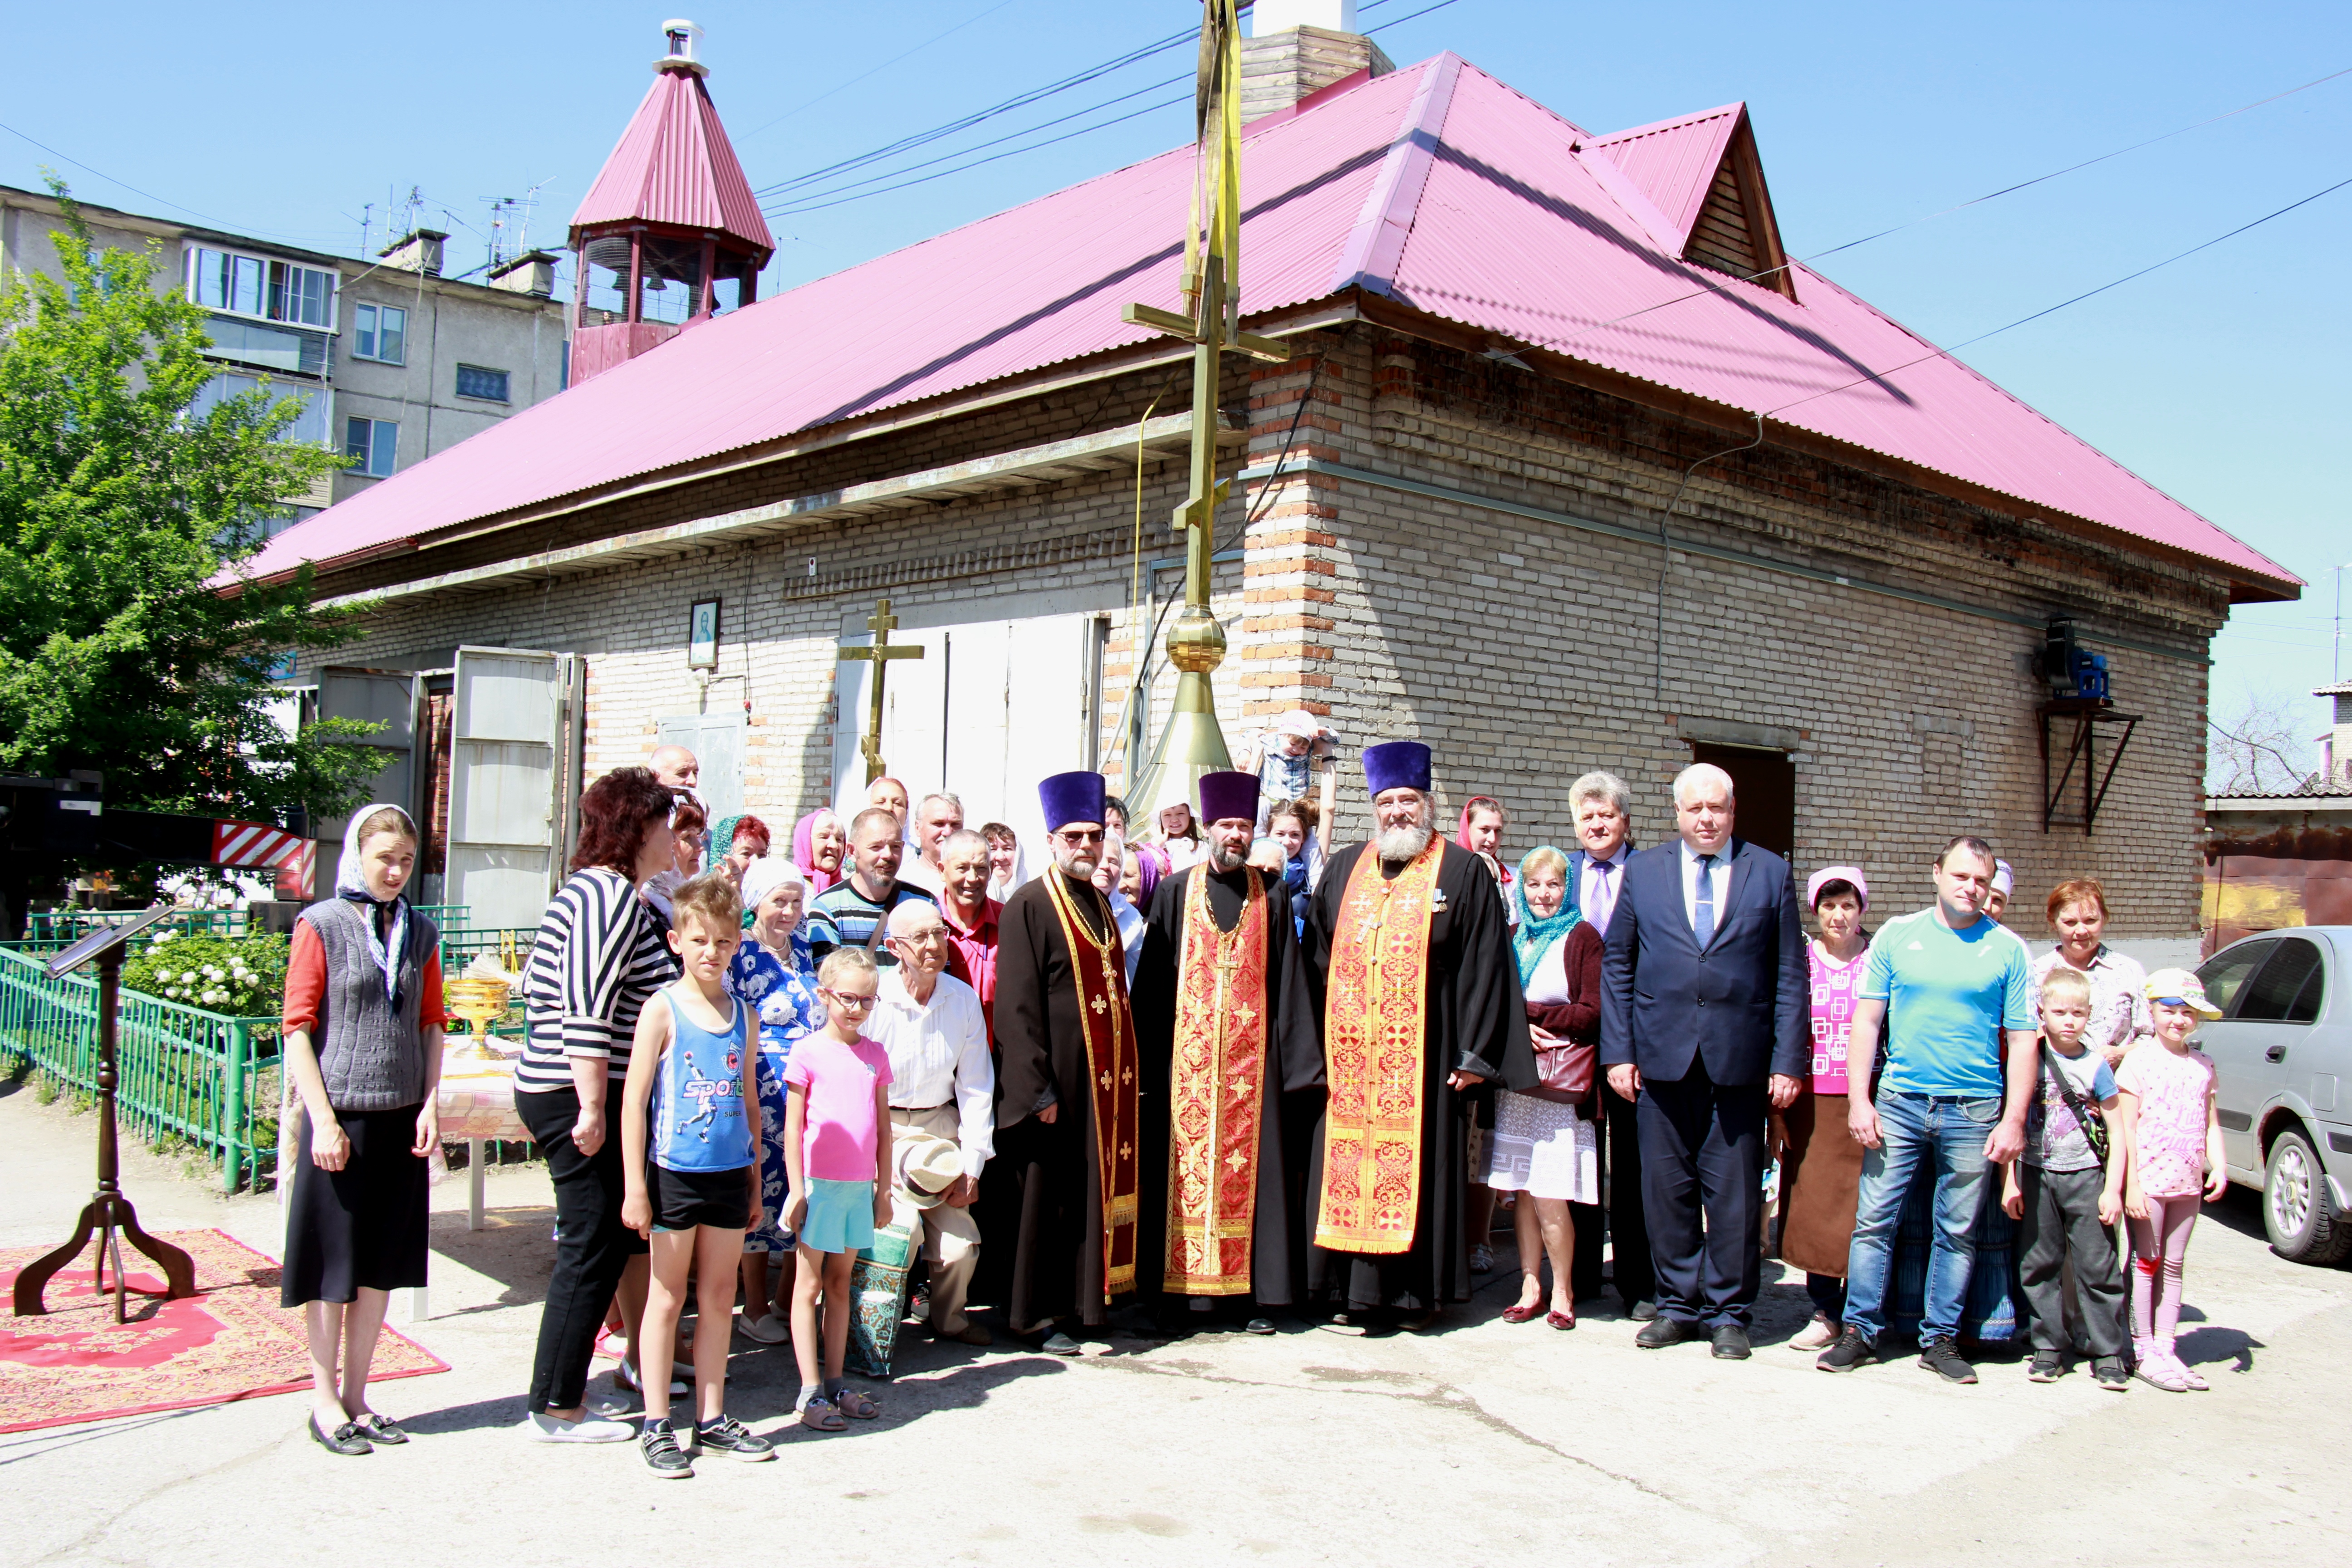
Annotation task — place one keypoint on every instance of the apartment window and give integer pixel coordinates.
(372, 445)
(379, 332)
(310, 420)
(474, 380)
(257, 286)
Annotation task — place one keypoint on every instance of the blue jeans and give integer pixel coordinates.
(1949, 1132)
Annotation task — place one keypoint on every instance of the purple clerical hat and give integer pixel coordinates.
(1072, 797)
(1228, 795)
(1397, 765)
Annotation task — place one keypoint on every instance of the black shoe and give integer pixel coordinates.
(1731, 1343)
(1659, 1332)
(2108, 1372)
(1258, 1326)
(380, 1430)
(1643, 1312)
(349, 1439)
(729, 1436)
(1849, 1350)
(664, 1457)
(2048, 1366)
(1943, 1358)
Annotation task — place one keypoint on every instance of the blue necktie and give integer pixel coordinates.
(1703, 907)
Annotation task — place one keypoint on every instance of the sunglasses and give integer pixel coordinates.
(1076, 836)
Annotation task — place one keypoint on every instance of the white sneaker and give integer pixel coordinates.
(770, 1330)
(544, 1428)
(627, 1376)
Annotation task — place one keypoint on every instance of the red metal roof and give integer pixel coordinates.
(1435, 185)
(674, 164)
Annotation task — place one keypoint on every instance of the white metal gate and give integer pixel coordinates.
(504, 842)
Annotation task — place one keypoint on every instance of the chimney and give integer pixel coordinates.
(417, 251)
(1297, 47)
(532, 272)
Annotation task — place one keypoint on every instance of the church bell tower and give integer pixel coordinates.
(670, 233)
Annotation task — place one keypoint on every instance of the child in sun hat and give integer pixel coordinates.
(2172, 1142)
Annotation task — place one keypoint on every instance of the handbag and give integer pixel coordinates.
(2094, 1121)
(1564, 1071)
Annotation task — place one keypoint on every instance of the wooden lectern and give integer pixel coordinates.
(108, 1212)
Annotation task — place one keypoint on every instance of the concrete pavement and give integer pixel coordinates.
(1477, 1443)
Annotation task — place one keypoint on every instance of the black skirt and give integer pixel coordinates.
(365, 1226)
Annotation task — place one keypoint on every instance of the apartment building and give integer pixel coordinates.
(394, 362)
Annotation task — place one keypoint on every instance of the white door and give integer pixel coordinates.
(503, 836)
(716, 742)
(990, 709)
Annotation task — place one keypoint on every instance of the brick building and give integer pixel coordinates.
(1516, 344)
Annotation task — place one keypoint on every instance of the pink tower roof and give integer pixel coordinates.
(674, 164)
(1435, 186)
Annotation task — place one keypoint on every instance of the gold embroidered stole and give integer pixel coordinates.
(1099, 966)
(1216, 1095)
(1374, 1013)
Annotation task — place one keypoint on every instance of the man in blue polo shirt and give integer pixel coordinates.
(1949, 983)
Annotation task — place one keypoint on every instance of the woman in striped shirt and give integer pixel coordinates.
(599, 954)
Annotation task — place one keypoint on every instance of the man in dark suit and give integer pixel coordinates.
(1703, 1017)
(1600, 806)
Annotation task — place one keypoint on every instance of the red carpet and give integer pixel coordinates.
(230, 1341)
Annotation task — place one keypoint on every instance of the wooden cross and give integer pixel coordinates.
(882, 623)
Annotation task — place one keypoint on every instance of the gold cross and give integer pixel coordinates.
(882, 623)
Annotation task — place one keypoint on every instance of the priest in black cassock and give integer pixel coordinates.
(1230, 1051)
(1066, 1081)
(1409, 957)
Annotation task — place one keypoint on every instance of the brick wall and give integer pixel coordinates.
(1524, 651)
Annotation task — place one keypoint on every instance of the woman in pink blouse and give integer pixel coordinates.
(1820, 1177)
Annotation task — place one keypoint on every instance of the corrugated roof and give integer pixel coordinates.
(675, 165)
(1435, 185)
(1673, 161)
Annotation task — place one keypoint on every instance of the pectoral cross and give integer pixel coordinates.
(882, 623)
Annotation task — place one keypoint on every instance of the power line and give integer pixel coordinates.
(2087, 294)
(85, 168)
(886, 65)
(791, 199)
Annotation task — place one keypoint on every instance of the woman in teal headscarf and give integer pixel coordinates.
(1543, 1147)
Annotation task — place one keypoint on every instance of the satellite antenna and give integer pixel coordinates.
(108, 1212)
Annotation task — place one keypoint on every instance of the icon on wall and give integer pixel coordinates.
(702, 636)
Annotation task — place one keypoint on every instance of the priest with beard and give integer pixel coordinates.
(1067, 1081)
(1409, 960)
(1229, 1053)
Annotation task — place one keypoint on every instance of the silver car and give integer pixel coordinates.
(2280, 1052)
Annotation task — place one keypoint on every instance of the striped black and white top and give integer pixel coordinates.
(599, 954)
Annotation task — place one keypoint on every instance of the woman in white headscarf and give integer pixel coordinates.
(1108, 871)
(363, 1046)
(773, 973)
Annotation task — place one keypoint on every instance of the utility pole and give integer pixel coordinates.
(1192, 745)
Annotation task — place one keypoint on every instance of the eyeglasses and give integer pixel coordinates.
(854, 1003)
(1079, 835)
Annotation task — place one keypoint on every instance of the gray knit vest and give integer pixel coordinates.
(372, 1058)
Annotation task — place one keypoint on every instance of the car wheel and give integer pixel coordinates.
(2298, 1210)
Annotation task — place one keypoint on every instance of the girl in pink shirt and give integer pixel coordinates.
(837, 1163)
(2172, 1142)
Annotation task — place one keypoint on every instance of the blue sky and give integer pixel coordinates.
(2219, 379)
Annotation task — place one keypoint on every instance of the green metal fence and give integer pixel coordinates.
(180, 1071)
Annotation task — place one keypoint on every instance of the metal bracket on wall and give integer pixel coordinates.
(2087, 716)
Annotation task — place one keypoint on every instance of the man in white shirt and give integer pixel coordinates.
(942, 1083)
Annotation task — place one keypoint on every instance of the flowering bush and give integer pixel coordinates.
(244, 977)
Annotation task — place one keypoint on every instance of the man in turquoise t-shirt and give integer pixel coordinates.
(1949, 983)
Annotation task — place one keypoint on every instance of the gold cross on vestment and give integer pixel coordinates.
(882, 623)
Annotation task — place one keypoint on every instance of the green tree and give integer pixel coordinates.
(130, 639)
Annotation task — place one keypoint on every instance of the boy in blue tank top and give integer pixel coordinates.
(689, 1132)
